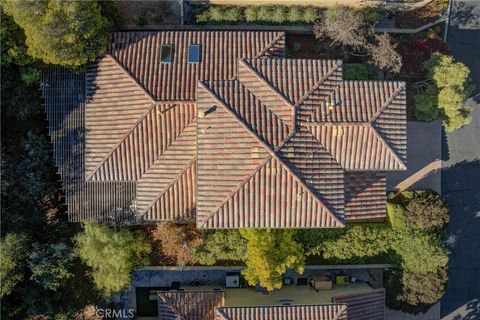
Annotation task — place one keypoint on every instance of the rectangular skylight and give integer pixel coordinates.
(166, 53)
(194, 53)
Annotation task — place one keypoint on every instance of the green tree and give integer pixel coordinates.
(112, 255)
(269, 254)
(423, 288)
(420, 252)
(426, 212)
(221, 245)
(68, 33)
(14, 250)
(50, 265)
(448, 92)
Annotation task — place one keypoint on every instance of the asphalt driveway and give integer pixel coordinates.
(461, 176)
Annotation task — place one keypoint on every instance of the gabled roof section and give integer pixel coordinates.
(364, 306)
(190, 305)
(139, 53)
(297, 312)
(272, 197)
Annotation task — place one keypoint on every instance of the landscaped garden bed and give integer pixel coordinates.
(419, 17)
(266, 14)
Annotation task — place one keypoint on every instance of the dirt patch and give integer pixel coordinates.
(421, 16)
(149, 12)
(300, 46)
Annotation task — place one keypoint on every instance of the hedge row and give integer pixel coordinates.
(268, 14)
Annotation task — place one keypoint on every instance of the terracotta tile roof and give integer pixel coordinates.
(297, 312)
(364, 306)
(365, 196)
(260, 142)
(305, 155)
(139, 53)
(193, 305)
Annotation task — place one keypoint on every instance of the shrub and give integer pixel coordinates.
(29, 75)
(359, 242)
(420, 252)
(423, 288)
(233, 14)
(221, 245)
(295, 14)
(310, 15)
(416, 52)
(414, 292)
(140, 20)
(278, 14)
(359, 72)
(264, 13)
(216, 13)
(396, 215)
(112, 255)
(178, 242)
(312, 240)
(269, 254)
(251, 14)
(426, 105)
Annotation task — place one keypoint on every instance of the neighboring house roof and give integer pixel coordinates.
(209, 305)
(297, 312)
(245, 137)
(364, 306)
(193, 305)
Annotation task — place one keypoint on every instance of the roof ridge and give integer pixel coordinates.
(341, 312)
(319, 82)
(270, 45)
(220, 313)
(272, 152)
(122, 140)
(382, 141)
(265, 82)
(172, 308)
(388, 101)
(177, 177)
(137, 83)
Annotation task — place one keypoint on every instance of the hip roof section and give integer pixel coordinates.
(139, 54)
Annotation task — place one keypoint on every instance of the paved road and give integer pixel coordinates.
(461, 176)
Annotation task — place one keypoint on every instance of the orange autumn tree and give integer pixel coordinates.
(178, 241)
